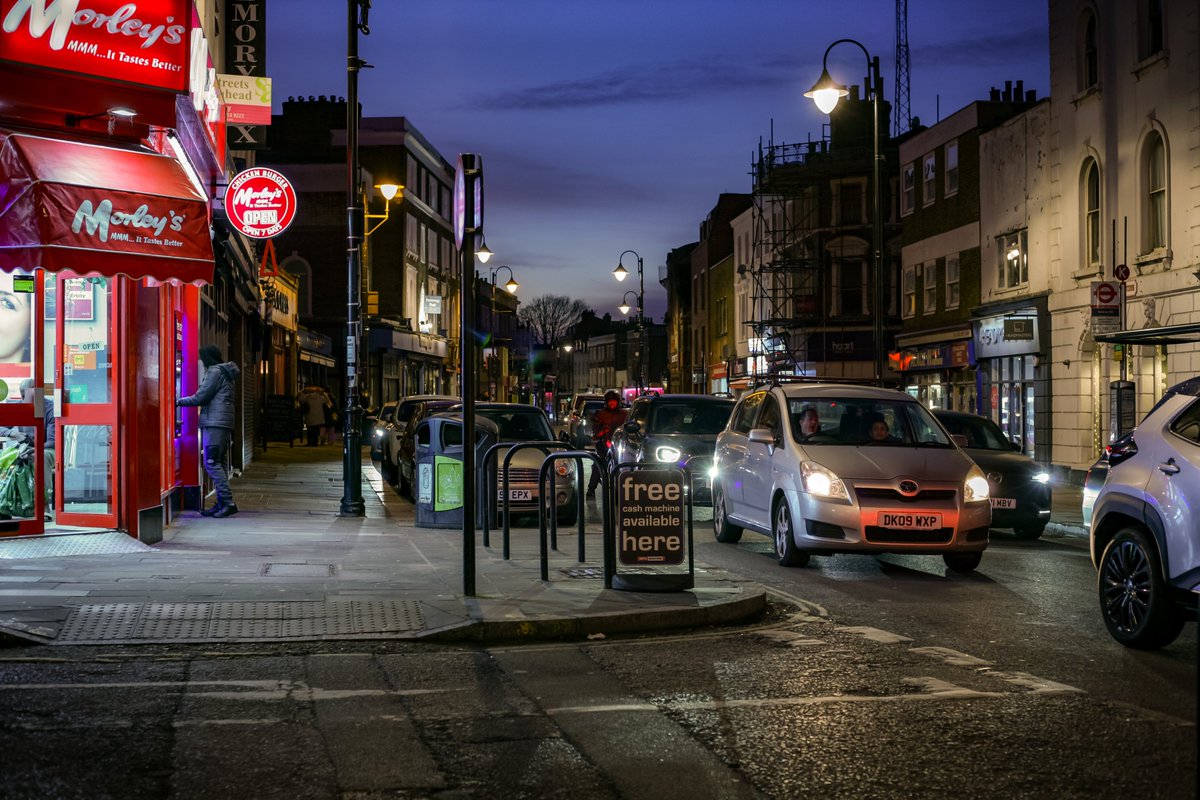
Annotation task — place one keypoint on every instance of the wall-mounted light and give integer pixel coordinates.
(114, 113)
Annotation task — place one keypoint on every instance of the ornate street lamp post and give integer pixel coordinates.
(826, 93)
(620, 273)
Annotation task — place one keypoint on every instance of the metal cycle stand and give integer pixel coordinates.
(660, 582)
(545, 480)
(513, 448)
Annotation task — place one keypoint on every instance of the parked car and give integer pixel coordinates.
(578, 432)
(377, 429)
(838, 468)
(675, 429)
(399, 445)
(1018, 486)
(1098, 473)
(517, 422)
(1143, 537)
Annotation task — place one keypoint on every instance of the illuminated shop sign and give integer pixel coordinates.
(144, 43)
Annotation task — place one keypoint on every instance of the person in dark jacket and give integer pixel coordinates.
(215, 399)
(604, 423)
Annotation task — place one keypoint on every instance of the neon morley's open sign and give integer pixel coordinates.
(650, 517)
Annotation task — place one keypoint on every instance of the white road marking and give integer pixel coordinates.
(1036, 684)
(793, 639)
(952, 657)
(874, 634)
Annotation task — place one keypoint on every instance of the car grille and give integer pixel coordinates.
(520, 475)
(893, 496)
(889, 536)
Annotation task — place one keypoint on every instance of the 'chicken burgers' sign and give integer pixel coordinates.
(260, 202)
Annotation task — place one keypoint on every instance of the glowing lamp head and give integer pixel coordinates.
(825, 93)
(620, 272)
(389, 190)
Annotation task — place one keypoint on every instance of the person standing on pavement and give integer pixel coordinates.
(312, 406)
(215, 399)
(604, 424)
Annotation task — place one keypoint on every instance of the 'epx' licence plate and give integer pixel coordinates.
(515, 494)
(909, 521)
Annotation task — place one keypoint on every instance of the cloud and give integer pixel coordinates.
(987, 50)
(646, 83)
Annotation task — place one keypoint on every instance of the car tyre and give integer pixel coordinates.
(963, 562)
(785, 542)
(1133, 596)
(724, 530)
(1029, 532)
(568, 515)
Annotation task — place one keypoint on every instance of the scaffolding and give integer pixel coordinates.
(810, 261)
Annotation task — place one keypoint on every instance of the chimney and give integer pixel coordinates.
(1019, 91)
(1008, 91)
(1031, 96)
(994, 95)
(853, 92)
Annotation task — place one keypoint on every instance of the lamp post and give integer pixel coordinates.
(826, 93)
(352, 501)
(511, 287)
(620, 273)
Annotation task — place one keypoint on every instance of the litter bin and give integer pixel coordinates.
(439, 462)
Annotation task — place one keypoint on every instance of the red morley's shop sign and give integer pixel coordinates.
(143, 43)
(260, 202)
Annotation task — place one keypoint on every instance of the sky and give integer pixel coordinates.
(613, 125)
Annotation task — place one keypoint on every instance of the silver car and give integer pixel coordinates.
(1144, 539)
(840, 468)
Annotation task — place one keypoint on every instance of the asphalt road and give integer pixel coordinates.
(871, 677)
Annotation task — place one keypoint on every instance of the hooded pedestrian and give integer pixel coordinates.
(215, 399)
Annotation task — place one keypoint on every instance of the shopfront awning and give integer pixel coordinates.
(1163, 335)
(99, 210)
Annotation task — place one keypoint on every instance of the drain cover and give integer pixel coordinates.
(198, 622)
(275, 570)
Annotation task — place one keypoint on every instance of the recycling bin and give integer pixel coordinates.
(438, 486)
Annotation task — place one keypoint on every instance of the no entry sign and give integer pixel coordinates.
(260, 202)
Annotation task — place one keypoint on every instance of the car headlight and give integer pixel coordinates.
(975, 487)
(565, 469)
(667, 453)
(1041, 477)
(822, 482)
(713, 472)
(378, 433)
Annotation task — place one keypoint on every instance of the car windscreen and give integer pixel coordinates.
(981, 433)
(590, 408)
(518, 425)
(688, 417)
(864, 421)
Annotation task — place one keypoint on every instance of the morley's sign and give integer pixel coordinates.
(143, 43)
(260, 202)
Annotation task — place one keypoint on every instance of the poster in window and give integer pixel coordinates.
(79, 300)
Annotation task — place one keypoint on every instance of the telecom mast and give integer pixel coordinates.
(901, 118)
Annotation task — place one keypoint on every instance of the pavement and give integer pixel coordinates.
(289, 568)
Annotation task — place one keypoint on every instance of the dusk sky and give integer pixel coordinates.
(611, 125)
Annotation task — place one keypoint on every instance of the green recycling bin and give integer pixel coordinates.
(438, 484)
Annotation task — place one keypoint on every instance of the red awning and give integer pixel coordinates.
(98, 210)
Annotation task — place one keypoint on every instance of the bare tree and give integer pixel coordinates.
(550, 316)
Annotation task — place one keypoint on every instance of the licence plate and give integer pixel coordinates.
(1003, 502)
(908, 521)
(515, 494)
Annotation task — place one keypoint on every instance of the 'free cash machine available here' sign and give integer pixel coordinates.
(651, 517)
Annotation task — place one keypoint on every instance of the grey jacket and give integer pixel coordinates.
(215, 396)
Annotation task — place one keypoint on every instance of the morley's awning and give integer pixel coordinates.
(1163, 335)
(99, 210)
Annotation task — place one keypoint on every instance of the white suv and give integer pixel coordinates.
(840, 468)
(1145, 542)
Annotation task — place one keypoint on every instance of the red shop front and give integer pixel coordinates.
(104, 243)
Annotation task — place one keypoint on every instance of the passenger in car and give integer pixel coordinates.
(810, 421)
(877, 429)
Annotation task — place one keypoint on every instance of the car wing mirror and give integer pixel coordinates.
(762, 436)
(959, 439)
(633, 427)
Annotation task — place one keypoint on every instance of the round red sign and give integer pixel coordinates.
(1106, 293)
(260, 202)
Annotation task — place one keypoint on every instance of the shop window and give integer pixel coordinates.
(908, 300)
(722, 312)
(1155, 167)
(1089, 53)
(951, 157)
(908, 189)
(952, 282)
(1091, 212)
(930, 285)
(929, 179)
(1012, 250)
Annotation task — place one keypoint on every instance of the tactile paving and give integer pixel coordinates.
(75, 544)
(199, 622)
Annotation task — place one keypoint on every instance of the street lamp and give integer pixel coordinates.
(511, 287)
(826, 93)
(620, 273)
(624, 308)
